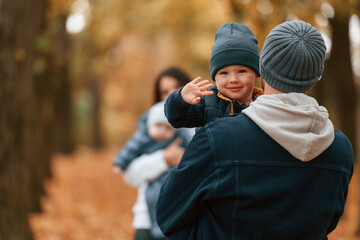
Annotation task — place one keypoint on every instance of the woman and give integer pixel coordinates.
(141, 170)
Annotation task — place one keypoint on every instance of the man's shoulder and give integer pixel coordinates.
(230, 120)
(340, 136)
(339, 155)
(342, 144)
(231, 125)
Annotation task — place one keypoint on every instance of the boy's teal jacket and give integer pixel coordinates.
(250, 187)
(181, 114)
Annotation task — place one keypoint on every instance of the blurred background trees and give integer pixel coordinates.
(23, 154)
(80, 72)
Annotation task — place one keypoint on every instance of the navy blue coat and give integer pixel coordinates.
(235, 182)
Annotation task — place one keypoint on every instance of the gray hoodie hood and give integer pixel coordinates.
(295, 121)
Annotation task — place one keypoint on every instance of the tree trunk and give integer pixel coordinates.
(96, 141)
(93, 87)
(340, 74)
(339, 77)
(63, 132)
(20, 22)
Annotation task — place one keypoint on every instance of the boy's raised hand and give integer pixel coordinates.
(195, 89)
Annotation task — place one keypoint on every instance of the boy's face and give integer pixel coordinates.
(161, 131)
(236, 82)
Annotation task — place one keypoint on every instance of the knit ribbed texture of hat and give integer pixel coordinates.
(235, 44)
(292, 58)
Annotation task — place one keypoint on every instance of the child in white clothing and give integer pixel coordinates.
(148, 172)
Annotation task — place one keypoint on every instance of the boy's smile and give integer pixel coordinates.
(236, 82)
(234, 89)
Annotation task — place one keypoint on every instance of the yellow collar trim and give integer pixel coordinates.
(227, 99)
(256, 90)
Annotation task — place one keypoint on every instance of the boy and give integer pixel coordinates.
(234, 66)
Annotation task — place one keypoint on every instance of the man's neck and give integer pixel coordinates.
(269, 90)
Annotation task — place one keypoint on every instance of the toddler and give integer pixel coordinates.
(160, 135)
(234, 66)
(159, 128)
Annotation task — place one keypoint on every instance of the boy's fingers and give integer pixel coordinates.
(196, 80)
(207, 93)
(202, 83)
(196, 100)
(205, 87)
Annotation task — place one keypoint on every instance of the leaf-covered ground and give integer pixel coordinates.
(86, 200)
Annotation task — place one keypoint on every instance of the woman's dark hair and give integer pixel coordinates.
(180, 76)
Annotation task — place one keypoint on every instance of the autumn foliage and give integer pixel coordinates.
(61, 89)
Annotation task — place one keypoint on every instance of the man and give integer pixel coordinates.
(277, 171)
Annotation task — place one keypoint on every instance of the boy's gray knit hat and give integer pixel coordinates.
(292, 58)
(235, 44)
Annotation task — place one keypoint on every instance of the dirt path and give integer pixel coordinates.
(86, 200)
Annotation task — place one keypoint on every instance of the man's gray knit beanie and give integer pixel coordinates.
(235, 44)
(292, 58)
